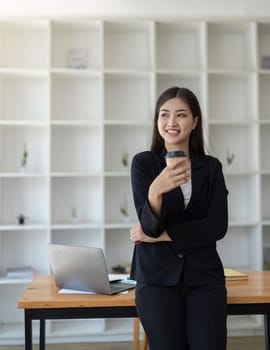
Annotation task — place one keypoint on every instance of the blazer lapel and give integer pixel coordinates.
(198, 175)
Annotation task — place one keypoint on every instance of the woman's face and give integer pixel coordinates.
(175, 123)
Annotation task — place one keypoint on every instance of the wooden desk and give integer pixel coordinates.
(41, 301)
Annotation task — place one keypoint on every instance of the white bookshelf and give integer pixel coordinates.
(78, 124)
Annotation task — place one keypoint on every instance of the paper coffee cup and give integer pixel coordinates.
(172, 157)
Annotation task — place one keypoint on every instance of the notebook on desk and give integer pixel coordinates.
(234, 275)
(83, 269)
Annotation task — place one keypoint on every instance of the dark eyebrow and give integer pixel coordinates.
(177, 110)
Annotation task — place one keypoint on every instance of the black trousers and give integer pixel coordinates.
(178, 318)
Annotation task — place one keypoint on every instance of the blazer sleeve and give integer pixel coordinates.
(143, 171)
(209, 229)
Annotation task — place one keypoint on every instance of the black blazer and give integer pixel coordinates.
(194, 231)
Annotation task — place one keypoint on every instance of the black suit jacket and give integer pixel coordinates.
(194, 230)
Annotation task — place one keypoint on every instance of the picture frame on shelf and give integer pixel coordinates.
(77, 58)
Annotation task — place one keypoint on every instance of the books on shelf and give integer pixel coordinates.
(234, 275)
(20, 272)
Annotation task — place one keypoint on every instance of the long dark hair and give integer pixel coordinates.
(196, 137)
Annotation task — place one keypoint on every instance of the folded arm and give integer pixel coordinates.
(184, 234)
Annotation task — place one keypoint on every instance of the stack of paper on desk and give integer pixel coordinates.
(234, 275)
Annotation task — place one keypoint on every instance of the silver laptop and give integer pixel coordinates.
(83, 269)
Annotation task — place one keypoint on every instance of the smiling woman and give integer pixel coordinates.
(181, 203)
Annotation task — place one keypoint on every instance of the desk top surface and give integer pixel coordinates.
(43, 293)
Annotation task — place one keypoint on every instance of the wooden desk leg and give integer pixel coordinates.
(136, 325)
(136, 333)
(42, 325)
(28, 330)
(267, 331)
(144, 343)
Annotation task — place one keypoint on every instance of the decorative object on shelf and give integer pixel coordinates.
(24, 158)
(21, 219)
(121, 268)
(77, 58)
(266, 62)
(124, 210)
(230, 157)
(124, 159)
(20, 272)
(74, 216)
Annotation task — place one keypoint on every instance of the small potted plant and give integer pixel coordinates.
(124, 159)
(24, 158)
(230, 157)
(124, 210)
(21, 219)
(74, 216)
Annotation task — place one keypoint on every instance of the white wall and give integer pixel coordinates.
(140, 8)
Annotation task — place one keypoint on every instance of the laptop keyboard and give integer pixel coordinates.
(119, 286)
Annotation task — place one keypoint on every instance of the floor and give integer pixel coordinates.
(235, 343)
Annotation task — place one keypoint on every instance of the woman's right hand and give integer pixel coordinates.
(171, 177)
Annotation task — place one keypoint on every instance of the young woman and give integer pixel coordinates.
(181, 204)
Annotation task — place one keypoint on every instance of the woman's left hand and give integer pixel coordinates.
(137, 235)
